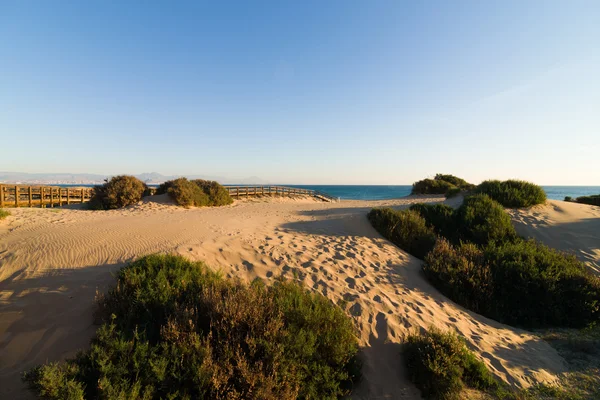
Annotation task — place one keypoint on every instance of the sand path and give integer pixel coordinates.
(52, 263)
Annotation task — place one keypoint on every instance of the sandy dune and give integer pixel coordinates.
(570, 227)
(52, 263)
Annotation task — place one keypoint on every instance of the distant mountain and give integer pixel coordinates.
(89, 179)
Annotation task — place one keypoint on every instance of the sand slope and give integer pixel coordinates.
(570, 227)
(52, 263)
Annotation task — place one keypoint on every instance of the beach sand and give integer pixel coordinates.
(52, 262)
(571, 227)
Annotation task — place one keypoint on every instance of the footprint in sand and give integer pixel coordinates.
(351, 282)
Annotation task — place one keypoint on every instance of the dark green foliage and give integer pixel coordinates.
(4, 214)
(187, 194)
(164, 187)
(593, 200)
(118, 192)
(441, 365)
(455, 181)
(568, 198)
(453, 192)
(406, 229)
(449, 185)
(431, 186)
(481, 220)
(520, 282)
(513, 193)
(217, 194)
(439, 216)
(174, 329)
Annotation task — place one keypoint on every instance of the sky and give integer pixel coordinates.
(303, 92)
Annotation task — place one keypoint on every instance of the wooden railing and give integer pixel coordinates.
(238, 192)
(42, 196)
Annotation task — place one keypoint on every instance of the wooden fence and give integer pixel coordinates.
(52, 196)
(42, 196)
(237, 192)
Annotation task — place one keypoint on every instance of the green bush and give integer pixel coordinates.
(453, 192)
(568, 198)
(441, 184)
(187, 194)
(164, 187)
(513, 193)
(481, 220)
(174, 329)
(456, 181)
(118, 192)
(521, 282)
(593, 200)
(440, 365)
(431, 186)
(4, 214)
(406, 229)
(439, 216)
(218, 195)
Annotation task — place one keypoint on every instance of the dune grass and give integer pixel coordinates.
(172, 328)
(4, 214)
(513, 193)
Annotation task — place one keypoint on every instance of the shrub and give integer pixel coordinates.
(440, 365)
(4, 214)
(535, 285)
(513, 193)
(218, 195)
(164, 187)
(431, 186)
(174, 329)
(187, 194)
(568, 198)
(453, 192)
(521, 282)
(439, 216)
(454, 180)
(118, 192)
(462, 274)
(593, 200)
(481, 220)
(406, 229)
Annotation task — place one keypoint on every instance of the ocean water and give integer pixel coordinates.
(386, 192)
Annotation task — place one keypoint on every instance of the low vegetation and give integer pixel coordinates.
(593, 200)
(407, 229)
(196, 193)
(172, 328)
(481, 220)
(4, 214)
(118, 192)
(520, 283)
(440, 365)
(513, 193)
(449, 185)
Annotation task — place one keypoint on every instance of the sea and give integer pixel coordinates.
(386, 192)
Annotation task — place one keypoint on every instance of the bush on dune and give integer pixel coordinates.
(521, 282)
(593, 200)
(164, 187)
(481, 220)
(440, 365)
(217, 194)
(118, 192)
(449, 185)
(187, 194)
(439, 216)
(453, 192)
(407, 229)
(513, 193)
(454, 180)
(174, 329)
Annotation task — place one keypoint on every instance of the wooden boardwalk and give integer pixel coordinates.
(53, 196)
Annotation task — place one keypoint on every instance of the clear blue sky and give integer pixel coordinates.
(366, 92)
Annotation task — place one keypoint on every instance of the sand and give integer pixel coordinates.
(53, 262)
(571, 227)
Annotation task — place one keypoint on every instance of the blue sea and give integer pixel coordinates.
(385, 192)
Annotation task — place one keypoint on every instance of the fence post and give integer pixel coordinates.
(30, 196)
(82, 195)
(237, 192)
(1, 196)
(52, 197)
(41, 196)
